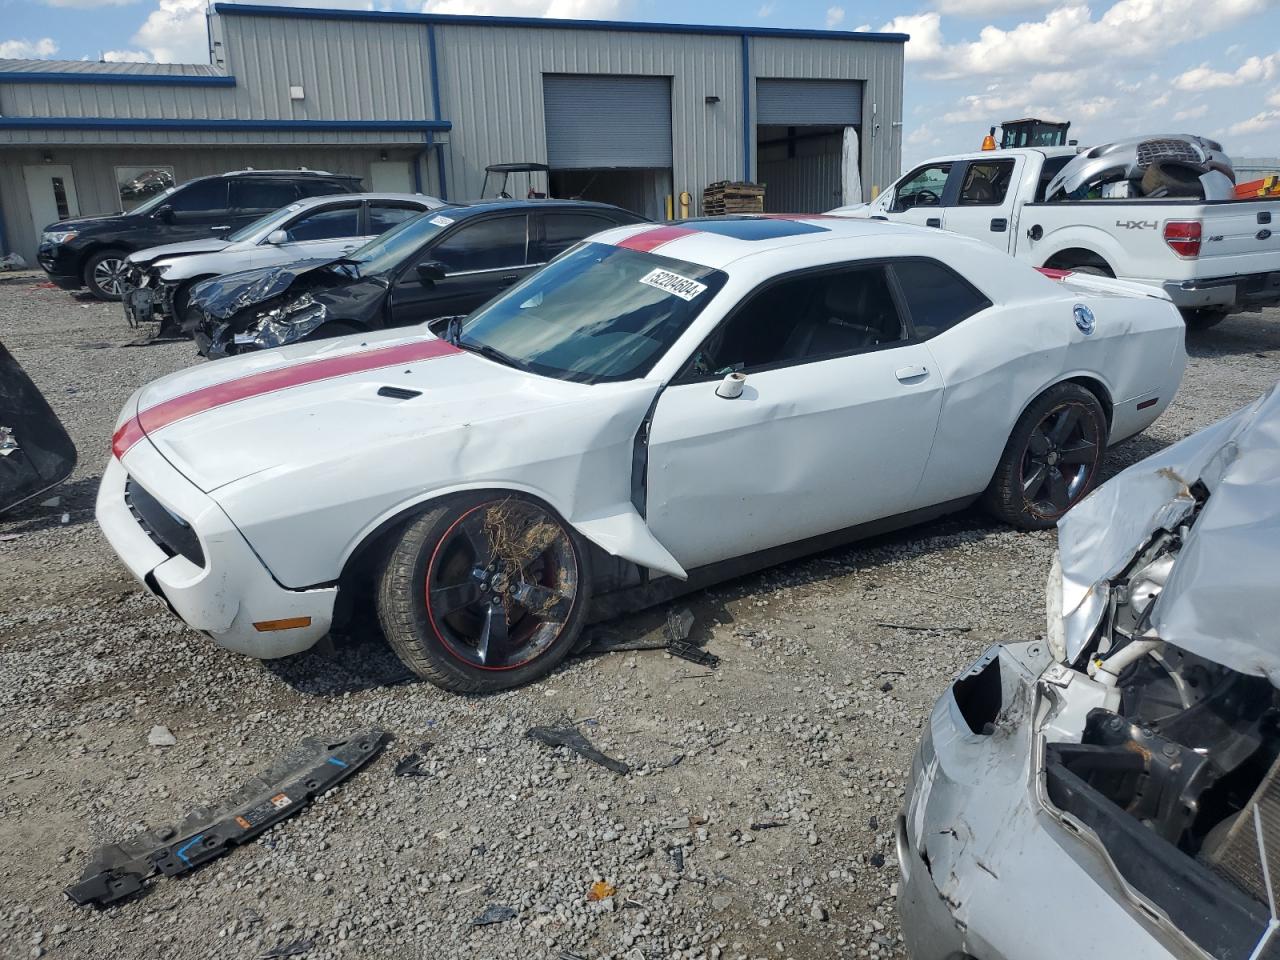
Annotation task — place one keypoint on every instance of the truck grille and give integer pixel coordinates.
(171, 534)
(1179, 151)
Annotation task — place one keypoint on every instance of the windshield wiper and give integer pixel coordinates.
(490, 353)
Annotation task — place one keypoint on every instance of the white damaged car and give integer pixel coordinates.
(658, 408)
(1119, 782)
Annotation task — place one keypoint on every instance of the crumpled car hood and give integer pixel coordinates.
(186, 248)
(1222, 599)
(224, 296)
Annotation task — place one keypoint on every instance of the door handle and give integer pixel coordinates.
(221, 226)
(904, 374)
(348, 249)
(999, 225)
(508, 280)
(933, 222)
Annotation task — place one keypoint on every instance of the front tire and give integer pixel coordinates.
(1051, 460)
(484, 592)
(104, 274)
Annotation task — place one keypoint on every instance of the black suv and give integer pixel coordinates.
(444, 263)
(91, 251)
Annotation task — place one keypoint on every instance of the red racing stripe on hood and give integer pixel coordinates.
(271, 381)
(648, 240)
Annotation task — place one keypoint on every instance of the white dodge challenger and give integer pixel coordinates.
(660, 407)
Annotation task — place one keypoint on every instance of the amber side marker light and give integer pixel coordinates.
(1148, 403)
(289, 623)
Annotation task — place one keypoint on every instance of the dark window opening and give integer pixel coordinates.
(986, 183)
(60, 198)
(487, 245)
(937, 298)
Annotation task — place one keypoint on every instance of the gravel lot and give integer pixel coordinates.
(809, 722)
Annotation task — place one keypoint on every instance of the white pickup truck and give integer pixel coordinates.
(1212, 258)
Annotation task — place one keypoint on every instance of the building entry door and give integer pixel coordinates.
(51, 193)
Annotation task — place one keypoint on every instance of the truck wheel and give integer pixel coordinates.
(104, 274)
(485, 592)
(1203, 318)
(1051, 460)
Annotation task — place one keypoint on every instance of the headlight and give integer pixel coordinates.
(60, 236)
(302, 309)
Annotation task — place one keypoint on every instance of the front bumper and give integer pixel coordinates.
(61, 265)
(1250, 291)
(987, 872)
(232, 591)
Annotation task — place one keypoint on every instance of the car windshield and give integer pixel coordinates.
(596, 313)
(392, 248)
(154, 202)
(244, 233)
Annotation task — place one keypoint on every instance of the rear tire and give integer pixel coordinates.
(104, 274)
(1051, 460)
(484, 592)
(1203, 318)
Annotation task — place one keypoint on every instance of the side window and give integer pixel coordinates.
(805, 318)
(262, 195)
(923, 188)
(937, 297)
(384, 216)
(486, 245)
(563, 230)
(1052, 167)
(199, 196)
(326, 225)
(986, 183)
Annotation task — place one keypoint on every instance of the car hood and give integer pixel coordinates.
(311, 404)
(1220, 600)
(89, 224)
(225, 296)
(150, 255)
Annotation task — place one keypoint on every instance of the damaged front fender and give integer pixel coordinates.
(223, 297)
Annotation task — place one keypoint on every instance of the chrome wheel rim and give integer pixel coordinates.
(109, 276)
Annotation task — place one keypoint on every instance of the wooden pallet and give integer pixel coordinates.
(728, 197)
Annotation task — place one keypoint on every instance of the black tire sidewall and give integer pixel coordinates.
(89, 266)
(404, 603)
(1004, 495)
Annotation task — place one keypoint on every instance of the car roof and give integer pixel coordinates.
(296, 174)
(306, 203)
(472, 208)
(718, 241)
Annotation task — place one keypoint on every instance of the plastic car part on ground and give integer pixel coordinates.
(568, 736)
(119, 871)
(35, 451)
(1220, 600)
(1185, 165)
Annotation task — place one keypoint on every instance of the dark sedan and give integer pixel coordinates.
(445, 263)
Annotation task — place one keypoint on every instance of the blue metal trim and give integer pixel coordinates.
(135, 79)
(746, 108)
(630, 26)
(124, 123)
(435, 105)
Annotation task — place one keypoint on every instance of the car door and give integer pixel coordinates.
(194, 211)
(921, 196)
(478, 259)
(328, 232)
(833, 427)
(252, 198)
(983, 206)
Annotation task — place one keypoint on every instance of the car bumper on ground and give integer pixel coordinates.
(987, 871)
(1251, 291)
(219, 586)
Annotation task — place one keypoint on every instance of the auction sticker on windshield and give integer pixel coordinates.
(441, 221)
(674, 284)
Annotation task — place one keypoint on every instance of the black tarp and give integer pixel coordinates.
(35, 451)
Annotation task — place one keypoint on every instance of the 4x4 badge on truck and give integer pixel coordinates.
(1084, 318)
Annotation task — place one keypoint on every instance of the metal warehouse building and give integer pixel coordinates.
(629, 113)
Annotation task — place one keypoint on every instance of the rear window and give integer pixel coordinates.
(937, 297)
(262, 194)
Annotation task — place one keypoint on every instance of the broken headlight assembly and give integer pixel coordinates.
(1175, 772)
(283, 324)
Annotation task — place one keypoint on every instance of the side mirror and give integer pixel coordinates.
(164, 213)
(730, 388)
(277, 237)
(430, 271)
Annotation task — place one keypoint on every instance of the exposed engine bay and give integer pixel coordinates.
(1173, 762)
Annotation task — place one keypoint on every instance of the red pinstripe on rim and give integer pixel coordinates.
(647, 241)
(270, 381)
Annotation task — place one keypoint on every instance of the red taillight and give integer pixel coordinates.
(1183, 237)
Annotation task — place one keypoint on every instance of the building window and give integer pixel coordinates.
(136, 185)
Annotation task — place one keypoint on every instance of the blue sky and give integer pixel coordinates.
(1113, 67)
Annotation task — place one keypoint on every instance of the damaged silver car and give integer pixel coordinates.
(1154, 167)
(1121, 776)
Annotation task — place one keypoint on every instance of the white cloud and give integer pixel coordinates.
(988, 8)
(925, 30)
(766, 10)
(835, 16)
(572, 9)
(27, 49)
(175, 32)
(88, 4)
(1192, 113)
(127, 56)
(1253, 70)
(1274, 99)
(1259, 122)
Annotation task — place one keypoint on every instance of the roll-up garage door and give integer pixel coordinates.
(797, 103)
(598, 121)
